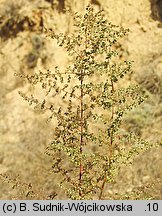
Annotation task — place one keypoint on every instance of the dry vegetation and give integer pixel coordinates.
(25, 134)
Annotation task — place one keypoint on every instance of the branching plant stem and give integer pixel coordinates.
(110, 146)
(81, 136)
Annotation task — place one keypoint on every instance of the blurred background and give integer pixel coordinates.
(24, 48)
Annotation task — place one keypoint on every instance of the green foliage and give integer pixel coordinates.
(88, 147)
